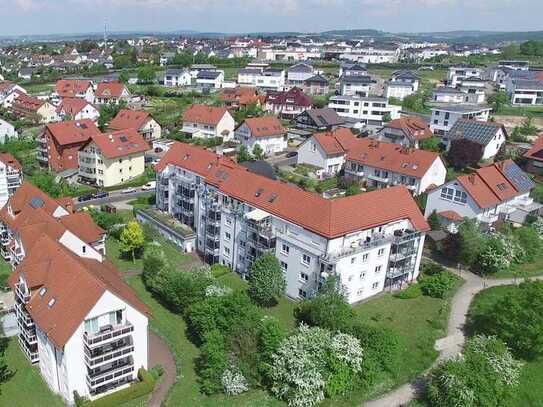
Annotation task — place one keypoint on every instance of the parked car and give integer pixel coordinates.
(128, 190)
(292, 154)
(149, 186)
(101, 194)
(84, 198)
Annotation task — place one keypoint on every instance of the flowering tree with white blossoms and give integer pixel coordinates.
(234, 382)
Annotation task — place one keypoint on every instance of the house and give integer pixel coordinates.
(444, 116)
(112, 158)
(406, 131)
(298, 73)
(59, 143)
(316, 85)
(9, 91)
(474, 89)
(174, 78)
(80, 323)
(456, 74)
(195, 69)
(402, 84)
(75, 88)
(263, 78)
(140, 120)
(25, 73)
(7, 131)
(204, 121)
(382, 165)
(534, 156)
(496, 192)
(239, 97)
(352, 69)
(491, 136)
(11, 177)
(210, 79)
(34, 109)
(112, 92)
(352, 238)
(446, 94)
(319, 119)
(367, 110)
(525, 92)
(355, 85)
(267, 132)
(326, 151)
(77, 109)
(287, 104)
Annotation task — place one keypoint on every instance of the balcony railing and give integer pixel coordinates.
(103, 377)
(107, 333)
(32, 356)
(110, 355)
(358, 247)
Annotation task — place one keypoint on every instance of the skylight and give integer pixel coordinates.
(43, 290)
(51, 302)
(259, 192)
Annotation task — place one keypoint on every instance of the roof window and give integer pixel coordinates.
(51, 302)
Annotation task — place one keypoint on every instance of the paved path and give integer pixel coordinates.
(160, 354)
(452, 344)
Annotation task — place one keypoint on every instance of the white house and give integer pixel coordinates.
(355, 85)
(444, 116)
(402, 84)
(499, 191)
(204, 121)
(491, 136)
(267, 132)
(298, 73)
(457, 73)
(174, 78)
(264, 78)
(77, 109)
(238, 215)
(474, 89)
(11, 177)
(367, 110)
(525, 92)
(9, 91)
(446, 94)
(210, 79)
(7, 131)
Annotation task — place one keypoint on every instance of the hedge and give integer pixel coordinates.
(139, 389)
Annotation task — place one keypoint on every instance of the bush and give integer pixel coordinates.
(266, 280)
(219, 270)
(212, 362)
(156, 371)
(413, 291)
(437, 285)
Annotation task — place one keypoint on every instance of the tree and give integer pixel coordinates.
(271, 334)
(266, 280)
(132, 239)
(123, 76)
(243, 154)
(485, 375)
(386, 117)
(431, 144)
(433, 221)
(464, 153)
(498, 100)
(212, 363)
(258, 153)
(470, 242)
(510, 51)
(146, 75)
(353, 189)
(108, 111)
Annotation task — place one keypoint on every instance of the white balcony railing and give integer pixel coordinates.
(107, 334)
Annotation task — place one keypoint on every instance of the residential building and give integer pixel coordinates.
(497, 192)
(195, 69)
(367, 110)
(534, 156)
(267, 132)
(74, 88)
(402, 84)
(371, 241)
(298, 73)
(446, 94)
(59, 143)
(474, 89)
(444, 116)
(37, 110)
(11, 177)
(514, 64)
(204, 121)
(174, 78)
(355, 85)
(319, 119)
(374, 54)
(382, 165)
(525, 92)
(112, 92)
(210, 79)
(316, 85)
(140, 120)
(456, 74)
(287, 104)
(491, 136)
(239, 97)
(77, 109)
(112, 158)
(263, 78)
(9, 91)
(352, 69)
(406, 131)
(7, 131)
(78, 320)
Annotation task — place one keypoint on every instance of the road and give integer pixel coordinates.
(114, 196)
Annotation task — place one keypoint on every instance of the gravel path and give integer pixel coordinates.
(160, 354)
(452, 344)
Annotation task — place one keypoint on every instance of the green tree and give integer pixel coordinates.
(123, 76)
(498, 100)
(146, 74)
(386, 117)
(243, 154)
(353, 189)
(266, 280)
(270, 336)
(258, 153)
(431, 144)
(132, 239)
(108, 112)
(510, 51)
(470, 242)
(212, 362)
(433, 221)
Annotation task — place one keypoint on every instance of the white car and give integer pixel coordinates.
(149, 186)
(128, 190)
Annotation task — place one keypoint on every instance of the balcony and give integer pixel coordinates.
(358, 246)
(106, 334)
(114, 373)
(24, 297)
(378, 178)
(31, 352)
(108, 354)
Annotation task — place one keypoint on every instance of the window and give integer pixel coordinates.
(306, 260)
(378, 269)
(435, 121)
(375, 285)
(304, 277)
(353, 259)
(228, 221)
(227, 252)
(460, 196)
(84, 249)
(362, 275)
(302, 293)
(242, 243)
(285, 249)
(284, 266)
(447, 193)
(359, 292)
(365, 257)
(353, 166)
(380, 252)
(227, 236)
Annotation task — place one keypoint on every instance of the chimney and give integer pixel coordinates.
(471, 178)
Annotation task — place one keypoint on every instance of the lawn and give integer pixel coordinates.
(530, 391)
(26, 387)
(534, 268)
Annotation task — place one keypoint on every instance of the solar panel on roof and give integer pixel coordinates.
(36, 202)
(518, 178)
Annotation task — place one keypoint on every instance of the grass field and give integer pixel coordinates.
(530, 390)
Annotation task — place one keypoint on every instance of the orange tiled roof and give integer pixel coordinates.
(413, 127)
(70, 88)
(267, 126)
(204, 114)
(120, 143)
(113, 89)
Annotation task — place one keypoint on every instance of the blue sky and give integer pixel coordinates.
(72, 16)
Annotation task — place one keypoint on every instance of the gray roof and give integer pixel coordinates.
(175, 71)
(447, 89)
(208, 75)
(461, 108)
(325, 116)
(302, 67)
(474, 130)
(365, 79)
(405, 74)
(317, 78)
(260, 167)
(254, 71)
(528, 84)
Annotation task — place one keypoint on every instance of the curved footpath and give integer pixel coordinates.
(160, 354)
(452, 344)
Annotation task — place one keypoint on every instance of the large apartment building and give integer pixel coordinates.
(367, 110)
(78, 321)
(11, 177)
(371, 241)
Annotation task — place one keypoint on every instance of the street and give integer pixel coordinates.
(115, 196)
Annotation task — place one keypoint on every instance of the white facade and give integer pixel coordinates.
(525, 92)
(444, 117)
(270, 144)
(215, 82)
(311, 152)
(398, 90)
(7, 131)
(224, 128)
(474, 90)
(456, 74)
(273, 79)
(353, 86)
(297, 74)
(367, 110)
(371, 55)
(176, 78)
(10, 179)
(449, 95)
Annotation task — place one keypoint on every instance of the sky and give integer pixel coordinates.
(23, 17)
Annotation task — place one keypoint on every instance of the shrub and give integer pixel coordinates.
(219, 270)
(413, 291)
(266, 280)
(212, 362)
(234, 382)
(437, 285)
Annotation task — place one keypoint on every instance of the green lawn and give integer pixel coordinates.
(534, 268)
(26, 387)
(38, 88)
(530, 390)
(521, 111)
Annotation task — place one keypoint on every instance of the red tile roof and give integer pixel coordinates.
(451, 215)
(120, 143)
(129, 119)
(329, 218)
(292, 97)
(73, 131)
(267, 126)
(335, 142)
(536, 152)
(10, 161)
(23, 102)
(70, 88)
(204, 114)
(392, 157)
(241, 95)
(72, 106)
(413, 127)
(113, 89)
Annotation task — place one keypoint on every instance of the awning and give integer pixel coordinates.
(257, 215)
